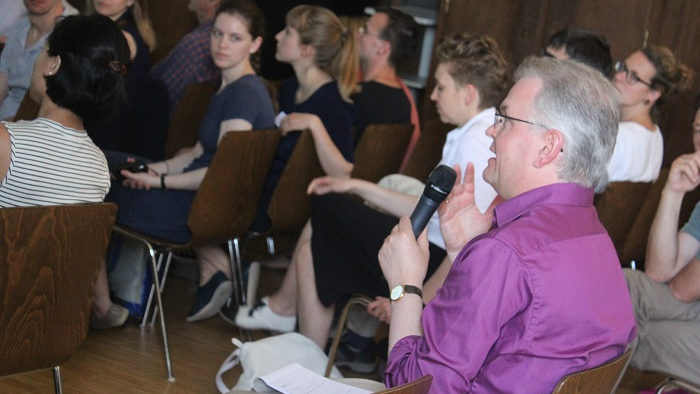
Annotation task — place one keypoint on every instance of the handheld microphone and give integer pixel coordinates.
(439, 185)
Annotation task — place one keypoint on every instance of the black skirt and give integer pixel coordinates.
(346, 239)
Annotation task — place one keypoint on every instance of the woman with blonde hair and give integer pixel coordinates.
(644, 79)
(323, 54)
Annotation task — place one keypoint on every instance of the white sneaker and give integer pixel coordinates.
(261, 317)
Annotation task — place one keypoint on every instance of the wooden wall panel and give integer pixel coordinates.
(522, 27)
(673, 23)
(171, 21)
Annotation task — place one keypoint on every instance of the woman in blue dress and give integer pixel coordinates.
(157, 202)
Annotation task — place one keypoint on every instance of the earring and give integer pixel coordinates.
(646, 102)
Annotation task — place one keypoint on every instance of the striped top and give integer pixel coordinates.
(52, 165)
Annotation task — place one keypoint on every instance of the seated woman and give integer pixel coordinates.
(157, 202)
(324, 58)
(644, 79)
(340, 258)
(78, 75)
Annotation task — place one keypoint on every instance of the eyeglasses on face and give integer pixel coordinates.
(499, 119)
(363, 30)
(630, 76)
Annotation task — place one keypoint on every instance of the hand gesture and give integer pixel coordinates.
(329, 184)
(460, 218)
(381, 309)
(403, 259)
(684, 174)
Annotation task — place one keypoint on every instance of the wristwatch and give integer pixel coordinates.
(399, 291)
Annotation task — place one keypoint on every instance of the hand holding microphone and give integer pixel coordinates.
(439, 185)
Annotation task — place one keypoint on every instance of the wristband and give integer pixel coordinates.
(162, 183)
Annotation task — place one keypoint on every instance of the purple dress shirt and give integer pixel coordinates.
(539, 296)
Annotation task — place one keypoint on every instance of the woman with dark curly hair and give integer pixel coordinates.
(78, 76)
(644, 80)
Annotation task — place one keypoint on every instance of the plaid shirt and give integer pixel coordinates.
(189, 62)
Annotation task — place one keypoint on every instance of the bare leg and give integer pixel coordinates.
(284, 301)
(314, 319)
(101, 303)
(212, 259)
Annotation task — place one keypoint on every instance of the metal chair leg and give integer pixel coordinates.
(168, 260)
(149, 302)
(57, 379)
(159, 302)
(239, 293)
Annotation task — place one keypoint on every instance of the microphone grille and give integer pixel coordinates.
(443, 177)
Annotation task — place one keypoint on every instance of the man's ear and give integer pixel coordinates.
(553, 146)
(384, 48)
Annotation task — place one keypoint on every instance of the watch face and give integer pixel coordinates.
(397, 292)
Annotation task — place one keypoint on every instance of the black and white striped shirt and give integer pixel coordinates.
(52, 165)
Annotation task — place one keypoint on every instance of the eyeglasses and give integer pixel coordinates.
(630, 76)
(499, 119)
(363, 30)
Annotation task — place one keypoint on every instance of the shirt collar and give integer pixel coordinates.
(555, 194)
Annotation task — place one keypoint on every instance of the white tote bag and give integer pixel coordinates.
(268, 354)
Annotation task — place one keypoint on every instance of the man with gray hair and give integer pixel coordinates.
(535, 291)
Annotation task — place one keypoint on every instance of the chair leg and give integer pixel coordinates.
(57, 379)
(340, 326)
(149, 302)
(168, 260)
(159, 303)
(239, 294)
(270, 245)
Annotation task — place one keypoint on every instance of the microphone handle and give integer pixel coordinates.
(421, 215)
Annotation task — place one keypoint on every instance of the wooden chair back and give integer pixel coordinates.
(598, 380)
(227, 199)
(381, 150)
(50, 257)
(187, 117)
(28, 109)
(418, 386)
(290, 206)
(635, 246)
(618, 207)
(428, 151)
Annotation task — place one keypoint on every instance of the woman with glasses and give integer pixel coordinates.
(644, 79)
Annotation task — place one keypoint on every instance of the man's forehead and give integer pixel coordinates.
(379, 20)
(522, 94)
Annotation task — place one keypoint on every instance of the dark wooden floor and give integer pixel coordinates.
(130, 359)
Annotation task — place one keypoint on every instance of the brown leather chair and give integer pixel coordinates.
(598, 380)
(183, 131)
(418, 386)
(618, 207)
(28, 109)
(290, 206)
(222, 211)
(428, 150)
(635, 246)
(381, 150)
(50, 257)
